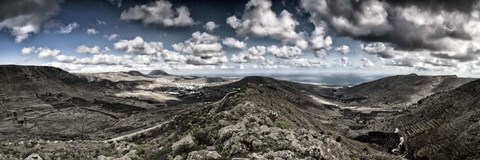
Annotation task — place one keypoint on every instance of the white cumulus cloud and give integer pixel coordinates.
(92, 31)
(90, 50)
(234, 43)
(203, 49)
(139, 46)
(159, 12)
(210, 26)
(286, 52)
(69, 28)
(259, 20)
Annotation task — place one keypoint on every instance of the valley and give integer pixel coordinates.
(53, 114)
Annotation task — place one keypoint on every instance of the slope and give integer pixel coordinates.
(399, 91)
(444, 125)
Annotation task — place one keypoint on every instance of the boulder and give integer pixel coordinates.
(34, 156)
(183, 144)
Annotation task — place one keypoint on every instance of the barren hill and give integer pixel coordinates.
(400, 90)
(444, 125)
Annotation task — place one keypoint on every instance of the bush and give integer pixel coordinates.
(282, 124)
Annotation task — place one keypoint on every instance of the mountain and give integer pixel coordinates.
(159, 73)
(287, 86)
(135, 73)
(18, 80)
(399, 91)
(256, 117)
(444, 125)
(255, 122)
(50, 103)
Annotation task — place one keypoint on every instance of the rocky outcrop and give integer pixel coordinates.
(203, 154)
(255, 123)
(184, 144)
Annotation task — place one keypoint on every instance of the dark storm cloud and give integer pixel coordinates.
(23, 17)
(408, 25)
(13, 8)
(461, 58)
(437, 5)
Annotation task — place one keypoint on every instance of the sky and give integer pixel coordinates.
(219, 36)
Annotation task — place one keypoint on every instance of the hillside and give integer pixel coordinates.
(159, 73)
(444, 125)
(50, 103)
(254, 117)
(399, 91)
(255, 122)
(287, 86)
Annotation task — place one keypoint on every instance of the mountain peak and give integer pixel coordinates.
(158, 73)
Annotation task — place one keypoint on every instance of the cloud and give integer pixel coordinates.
(145, 59)
(159, 12)
(90, 50)
(255, 53)
(210, 26)
(203, 49)
(44, 52)
(344, 61)
(234, 43)
(100, 22)
(27, 50)
(344, 49)
(302, 63)
(442, 29)
(112, 37)
(69, 28)
(322, 53)
(378, 48)
(65, 59)
(24, 17)
(420, 59)
(105, 59)
(116, 2)
(319, 40)
(286, 52)
(139, 46)
(259, 20)
(367, 63)
(92, 31)
(172, 56)
(66, 66)
(195, 60)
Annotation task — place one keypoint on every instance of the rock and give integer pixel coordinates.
(183, 144)
(204, 154)
(34, 156)
(211, 148)
(285, 154)
(179, 157)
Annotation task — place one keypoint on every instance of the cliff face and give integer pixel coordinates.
(444, 125)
